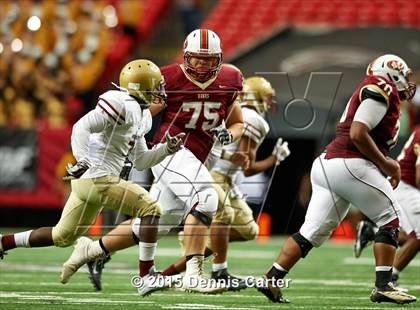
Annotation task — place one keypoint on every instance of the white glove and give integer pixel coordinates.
(223, 135)
(175, 143)
(281, 150)
(77, 170)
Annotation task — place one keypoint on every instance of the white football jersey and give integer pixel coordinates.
(255, 128)
(114, 127)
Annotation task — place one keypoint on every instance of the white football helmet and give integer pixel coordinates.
(203, 43)
(394, 69)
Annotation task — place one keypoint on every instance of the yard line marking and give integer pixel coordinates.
(202, 306)
(48, 297)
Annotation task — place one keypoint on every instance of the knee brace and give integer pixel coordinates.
(388, 235)
(304, 244)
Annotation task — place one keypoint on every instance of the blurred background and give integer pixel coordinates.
(56, 57)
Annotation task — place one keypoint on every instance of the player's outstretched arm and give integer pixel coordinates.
(145, 158)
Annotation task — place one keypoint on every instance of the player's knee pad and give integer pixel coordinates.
(304, 244)
(206, 206)
(63, 238)
(388, 235)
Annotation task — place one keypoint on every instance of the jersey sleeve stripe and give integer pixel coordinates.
(113, 109)
(254, 130)
(254, 127)
(109, 114)
(377, 89)
(251, 135)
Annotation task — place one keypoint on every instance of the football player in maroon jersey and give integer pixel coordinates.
(353, 170)
(201, 103)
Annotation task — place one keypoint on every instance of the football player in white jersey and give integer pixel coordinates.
(102, 141)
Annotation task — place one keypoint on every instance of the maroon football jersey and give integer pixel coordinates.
(196, 108)
(384, 134)
(408, 158)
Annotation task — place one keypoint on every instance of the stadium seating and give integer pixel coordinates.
(243, 24)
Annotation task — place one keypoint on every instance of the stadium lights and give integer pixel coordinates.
(34, 23)
(111, 19)
(16, 45)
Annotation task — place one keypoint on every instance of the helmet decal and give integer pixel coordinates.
(204, 39)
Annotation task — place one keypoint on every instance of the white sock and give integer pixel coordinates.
(217, 267)
(383, 268)
(147, 251)
(94, 250)
(395, 271)
(280, 268)
(22, 239)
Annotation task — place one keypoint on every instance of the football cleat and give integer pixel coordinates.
(394, 280)
(155, 281)
(2, 252)
(233, 283)
(77, 259)
(273, 293)
(95, 271)
(365, 236)
(194, 280)
(389, 293)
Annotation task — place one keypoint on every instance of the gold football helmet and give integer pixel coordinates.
(258, 94)
(143, 80)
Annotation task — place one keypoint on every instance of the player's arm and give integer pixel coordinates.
(235, 121)
(157, 106)
(145, 158)
(368, 115)
(93, 122)
(250, 147)
(417, 176)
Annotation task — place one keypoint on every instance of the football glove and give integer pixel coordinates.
(175, 143)
(281, 150)
(76, 171)
(223, 135)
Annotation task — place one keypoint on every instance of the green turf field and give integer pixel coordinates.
(329, 278)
